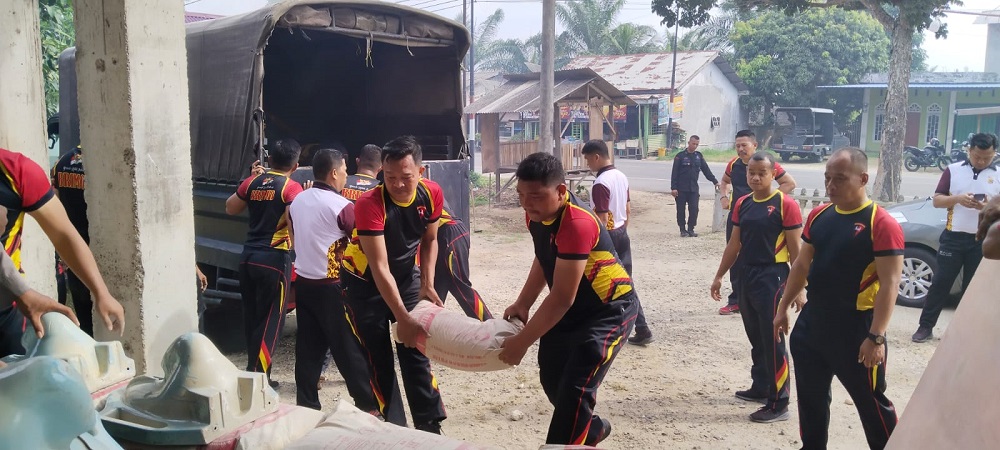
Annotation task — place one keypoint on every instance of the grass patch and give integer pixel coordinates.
(711, 155)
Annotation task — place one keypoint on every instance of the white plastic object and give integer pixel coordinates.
(102, 364)
(44, 404)
(461, 342)
(202, 396)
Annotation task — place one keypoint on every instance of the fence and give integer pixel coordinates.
(513, 152)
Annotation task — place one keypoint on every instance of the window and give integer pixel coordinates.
(933, 121)
(879, 121)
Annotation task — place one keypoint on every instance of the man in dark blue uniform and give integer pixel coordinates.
(688, 165)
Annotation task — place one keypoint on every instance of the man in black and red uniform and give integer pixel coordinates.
(852, 258)
(767, 230)
(68, 179)
(24, 188)
(736, 176)
(265, 264)
(589, 312)
(392, 223)
(369, 164)
(452, 273)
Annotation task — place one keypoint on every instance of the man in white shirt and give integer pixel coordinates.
(610, 201)
(964, 189)
(322, 221)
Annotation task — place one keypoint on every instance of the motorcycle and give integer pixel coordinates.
(932, 155)
(963, 153)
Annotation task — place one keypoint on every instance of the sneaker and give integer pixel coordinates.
(433, 427)
(692, 233)
(684, 234)
(923, 334)
(274, 384)
(752, 396)
(641, 337)
(769, 415)
(729, 310)
(604, 433)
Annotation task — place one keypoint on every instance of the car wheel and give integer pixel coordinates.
(919, 266)
(785, 156)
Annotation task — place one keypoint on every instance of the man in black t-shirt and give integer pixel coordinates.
(68, 178)
(590, 310)
(736, 176)
(393, 223)
(265, 265)
(364, 179)
(852, 258)
(767, 226)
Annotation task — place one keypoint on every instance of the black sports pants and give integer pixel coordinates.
(761, 288)
(451, 273)
(825, 343)
(689, 199)
(734, 271)
(323, 325)
(623, 246)
(958, 252)
(264, 275)
(83, 305)
(572, 362)
(370, 317)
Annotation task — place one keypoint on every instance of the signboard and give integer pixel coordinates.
(577, 113)
(678, 109)
(663, 110)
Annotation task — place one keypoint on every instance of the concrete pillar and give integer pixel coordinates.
(134, 125)
(22, 122)
(993, 48)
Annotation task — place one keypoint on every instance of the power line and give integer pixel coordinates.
(441, 3)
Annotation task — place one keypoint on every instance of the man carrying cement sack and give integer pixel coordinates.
(462, 342)
(589, 312)
(392, 223)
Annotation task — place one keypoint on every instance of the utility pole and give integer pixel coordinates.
(465, 79)
(472, 68)
(546, 113)
(673, 83)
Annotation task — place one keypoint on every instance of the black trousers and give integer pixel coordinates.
(264, 275)
(623, 246)
(690, 199)
(761, 288)
(734, 277)
(323, 325)
(451, 273)
(370, 318)
(826, 343)
(957, 252)
(12, 325)
(83, 305)
(572, 362)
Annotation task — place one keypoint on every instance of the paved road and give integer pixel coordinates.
(654, 176)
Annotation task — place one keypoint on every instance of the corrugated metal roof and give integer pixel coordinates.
(646, 74)
(954, 86)
(191, 17)
(937, 78)
(522, 92)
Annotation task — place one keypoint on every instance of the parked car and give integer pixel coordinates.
(922, 225)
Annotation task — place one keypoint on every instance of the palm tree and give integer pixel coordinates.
(629, 38)
(588, 24)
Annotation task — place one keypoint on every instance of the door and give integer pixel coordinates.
(912, 129)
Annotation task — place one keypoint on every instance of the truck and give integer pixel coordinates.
(328, 73)
(808, 133)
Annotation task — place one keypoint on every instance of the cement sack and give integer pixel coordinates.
(349, 428)
(459, 341)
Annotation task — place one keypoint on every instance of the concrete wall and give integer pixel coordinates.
(925, 98)
(993, 48)
(709, 94)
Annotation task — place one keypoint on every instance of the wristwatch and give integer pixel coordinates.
(876, 338)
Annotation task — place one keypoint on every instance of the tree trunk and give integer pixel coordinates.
(886, 186)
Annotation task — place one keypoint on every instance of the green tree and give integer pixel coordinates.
(588, 24)
(629, 38)
(783, 58)
(901, 19)
(58, 34)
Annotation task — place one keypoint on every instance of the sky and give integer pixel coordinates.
(963, 50)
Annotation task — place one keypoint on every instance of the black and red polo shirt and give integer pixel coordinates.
(69, 180)
(24, 187)
(846, 243)
(762, 227)
(737, 171)
(268, 196)
(358, 184)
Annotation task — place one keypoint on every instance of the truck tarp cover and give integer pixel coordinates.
(227, 58)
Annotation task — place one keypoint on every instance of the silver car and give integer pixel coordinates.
(922, 225)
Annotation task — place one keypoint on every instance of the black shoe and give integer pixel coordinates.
(692, 233)
(923, 334)
(769, 415)
(601, 435)
(433, 426)
(684, 234)
(274, 384)
(641, 337)
(752, 396)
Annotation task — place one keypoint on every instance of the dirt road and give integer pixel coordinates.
(675, 393)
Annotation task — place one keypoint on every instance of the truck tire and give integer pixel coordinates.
(785, 156)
